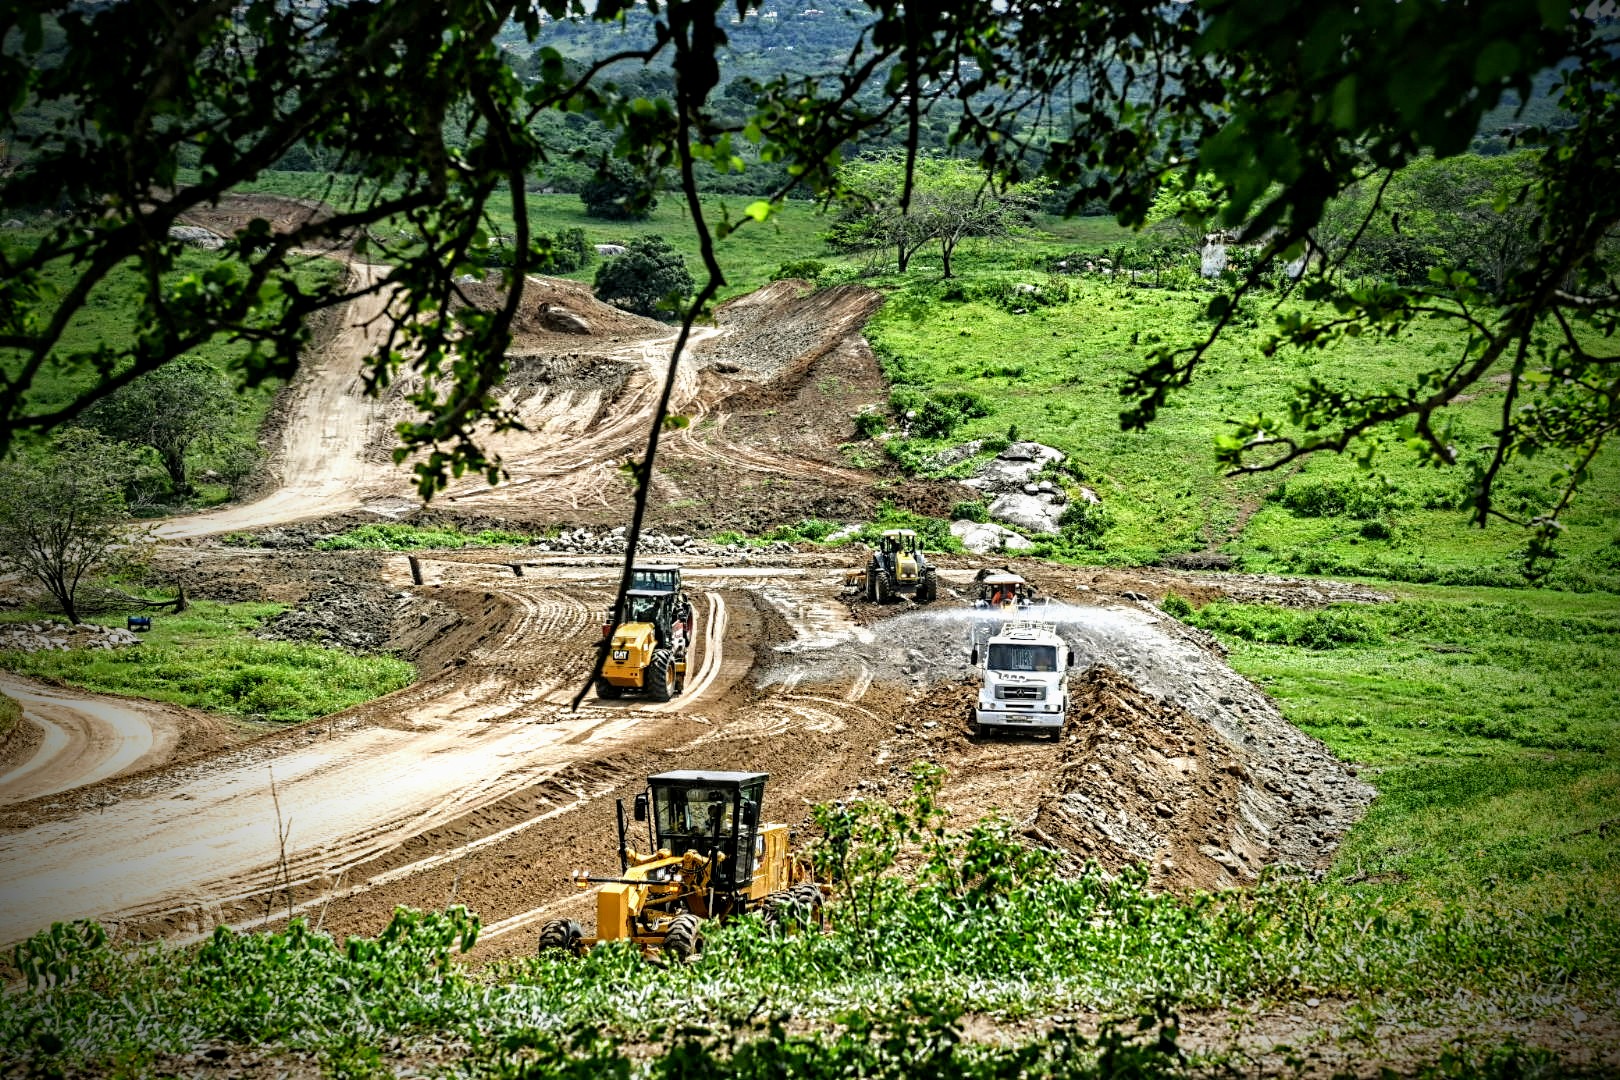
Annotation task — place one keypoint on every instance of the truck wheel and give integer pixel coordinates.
(658, 675)
(685, 937)
(560, 934)
(607, 690)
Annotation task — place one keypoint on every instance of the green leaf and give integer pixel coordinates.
(759, 209)
(1495, 61)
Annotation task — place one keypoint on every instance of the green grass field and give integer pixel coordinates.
(1488, 720)
(207, 658)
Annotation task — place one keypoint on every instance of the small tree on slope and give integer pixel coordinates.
(62, 514)
(178, 406)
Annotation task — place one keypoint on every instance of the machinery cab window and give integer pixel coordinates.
(711, 813)
(899, 541)
(656, 578)
(1023, 658)
(643, 607)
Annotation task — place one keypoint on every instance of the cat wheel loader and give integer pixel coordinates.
(897, 568)
(709, 858)
(647, 651)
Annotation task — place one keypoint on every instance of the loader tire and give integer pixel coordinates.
(882, 589)
(659, 672)
(560, 934)
(871, 587)
(685, 937)
(607, 690)
(928, 588)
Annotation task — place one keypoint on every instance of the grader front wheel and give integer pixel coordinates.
(685, 937)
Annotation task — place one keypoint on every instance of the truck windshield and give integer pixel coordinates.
(1023, 658)
(695, 811)
(663, 580)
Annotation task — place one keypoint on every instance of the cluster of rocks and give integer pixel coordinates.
(583, 541)
(353, 615)
(55, 636)
(196, 237)
(1019, 499)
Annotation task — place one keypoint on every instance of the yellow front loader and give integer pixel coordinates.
(710, 858)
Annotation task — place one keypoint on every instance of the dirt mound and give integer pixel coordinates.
(531, 328)
(1143, 781)
(365, 618)
(284, 213)
(785, 327)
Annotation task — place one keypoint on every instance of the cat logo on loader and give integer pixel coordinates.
(710, 859)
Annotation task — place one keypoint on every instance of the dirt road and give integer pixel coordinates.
(321, 465)
(84, 738)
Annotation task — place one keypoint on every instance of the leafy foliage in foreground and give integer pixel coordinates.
(980, 923)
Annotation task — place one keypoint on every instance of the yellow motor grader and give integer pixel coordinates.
(710, 859)
(647, 651)
(896, 568)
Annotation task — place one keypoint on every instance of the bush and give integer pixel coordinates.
(806, 269)
(943, 413)
(618, 192)
(1353, 497)
(1084, 522)
(1176, 607)
(650, 278)
(973, 510)
(869, 425)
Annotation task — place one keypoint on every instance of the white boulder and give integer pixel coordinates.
(1030, 513)
(196, 237)
(988, 538)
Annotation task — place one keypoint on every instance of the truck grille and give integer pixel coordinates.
(1021, 693)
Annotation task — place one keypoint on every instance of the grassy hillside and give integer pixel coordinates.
(1050, 367)
(110, 316)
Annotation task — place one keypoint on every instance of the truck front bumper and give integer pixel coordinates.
(1038, 718)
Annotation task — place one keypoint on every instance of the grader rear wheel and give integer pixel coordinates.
(685, 937)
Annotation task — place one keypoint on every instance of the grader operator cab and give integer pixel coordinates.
(897, 568)
(647, 651)
(709, 858)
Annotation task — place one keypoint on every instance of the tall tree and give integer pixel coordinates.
(62, 513)
(183, 404)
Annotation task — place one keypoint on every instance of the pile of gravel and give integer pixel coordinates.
(55, 636)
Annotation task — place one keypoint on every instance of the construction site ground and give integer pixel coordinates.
(482, 784)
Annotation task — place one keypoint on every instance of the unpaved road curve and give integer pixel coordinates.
(321, 467)
(485, 728)
(86, 738)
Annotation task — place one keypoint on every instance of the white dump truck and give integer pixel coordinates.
(1024, 668)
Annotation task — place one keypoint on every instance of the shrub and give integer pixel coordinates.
(869, 425)
(943, 413)
(1084, 522)
(1176, 606)
(1354, 497)
(807, 269)
(972, 510)
(647, 279)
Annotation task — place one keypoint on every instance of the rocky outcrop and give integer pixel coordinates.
(988, 538)
(196, 237)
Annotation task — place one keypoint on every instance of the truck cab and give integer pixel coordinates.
(1024, 680)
